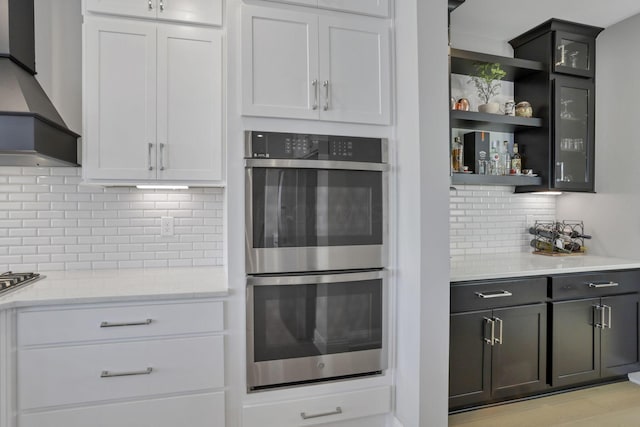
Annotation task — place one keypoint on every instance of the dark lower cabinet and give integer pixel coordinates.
(519, 337)
(595, 338)
(497, 353)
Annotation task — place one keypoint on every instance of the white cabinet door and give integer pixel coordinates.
(280, 63)
(367, 7)
(120, 99)
(195, 11)
(189, 103)
(208, 12)
(68, 375)
(326, 410)
(197, 410)
(139, 8)
(355, 87)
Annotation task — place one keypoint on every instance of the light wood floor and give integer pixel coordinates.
(612, 405)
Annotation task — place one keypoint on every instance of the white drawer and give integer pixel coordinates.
(198, 410)
(82, 323)
(319, 410)
(68, 375)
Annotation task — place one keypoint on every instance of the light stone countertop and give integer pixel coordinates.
(95, 286)
(483, 267)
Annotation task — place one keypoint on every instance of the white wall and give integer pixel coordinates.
(422, 206)
(612, 214)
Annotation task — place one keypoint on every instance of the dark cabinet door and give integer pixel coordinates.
(574, 128)
(469, 358)
(519, 360)
(574, 54)
(576, 341)
(620, 336)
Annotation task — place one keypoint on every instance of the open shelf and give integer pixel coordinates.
(473, 179)
(492, 122)
(463, 61)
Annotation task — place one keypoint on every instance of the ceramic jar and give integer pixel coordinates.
(523, 109)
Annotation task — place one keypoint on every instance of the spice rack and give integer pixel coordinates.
(561, 238)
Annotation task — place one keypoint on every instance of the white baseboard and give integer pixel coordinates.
(634, 377)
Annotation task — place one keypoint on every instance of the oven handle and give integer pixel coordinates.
(314, 278)
(314, 164)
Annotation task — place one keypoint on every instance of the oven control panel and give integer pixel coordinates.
(279, 145)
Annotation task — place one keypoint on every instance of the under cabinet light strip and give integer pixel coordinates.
(162, 187)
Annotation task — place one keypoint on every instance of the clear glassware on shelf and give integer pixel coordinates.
(565, 113)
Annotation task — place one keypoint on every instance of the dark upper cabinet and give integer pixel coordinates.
(566, 47)
(573, 133)
(564, 97)
(574, 54)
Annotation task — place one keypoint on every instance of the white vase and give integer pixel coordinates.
(490, 107)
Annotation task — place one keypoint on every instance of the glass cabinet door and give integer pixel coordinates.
(574, 54)
(574, 134)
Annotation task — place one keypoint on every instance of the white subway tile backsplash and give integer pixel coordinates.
(50, 221)
(492, 219)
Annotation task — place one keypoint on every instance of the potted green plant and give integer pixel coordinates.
(487, 81)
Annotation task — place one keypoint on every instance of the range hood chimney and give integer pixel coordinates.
(32, 133)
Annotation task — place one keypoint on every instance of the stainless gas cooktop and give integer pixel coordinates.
(10, 281)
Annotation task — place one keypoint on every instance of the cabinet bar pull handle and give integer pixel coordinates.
(314, 83)
(114, 324)
(499, 322)
(150, 5)
(161, 6)
(494, 294)
(162, 156)
(149, 156)
(337, 411)
(493, 332)
(325, 85)
(608, 324)
(599, 309)
(603, 285)
(107, 374)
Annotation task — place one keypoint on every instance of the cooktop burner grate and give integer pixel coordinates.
(10, 280)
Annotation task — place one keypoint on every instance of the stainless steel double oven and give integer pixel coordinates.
(316, 231)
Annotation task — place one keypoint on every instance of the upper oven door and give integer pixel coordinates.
(325, 217)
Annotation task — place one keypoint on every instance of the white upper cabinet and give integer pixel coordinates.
(208, 12)
(300, 65)
(153, 102)
(280, 64)
(120, 99)
(355, 87)
(366, 7)
(189, 130)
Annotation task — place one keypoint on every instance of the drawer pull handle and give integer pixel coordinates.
(603, 285)
(115, 325)
(107, 374)
(324, 414)
(497, 294)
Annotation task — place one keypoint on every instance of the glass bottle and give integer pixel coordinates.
(494, 158)
(456, 155)
(506, 158)
(516, 160)
(482, 163)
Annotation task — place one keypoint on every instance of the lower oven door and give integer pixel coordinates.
(314, 327)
